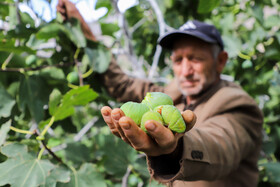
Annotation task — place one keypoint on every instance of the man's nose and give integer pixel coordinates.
(187, 68)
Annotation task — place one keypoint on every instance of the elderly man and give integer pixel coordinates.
(223, 147)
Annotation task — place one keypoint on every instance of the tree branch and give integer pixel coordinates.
(35, 68)
(125, 177)
(77, 64)
(17, 12)
(162, 27)
(7, 61)
(85, 129)
(5, 3)
(137, 68)
(46, 147)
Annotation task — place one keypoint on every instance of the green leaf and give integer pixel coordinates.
(49, 31)
(206, 6)
(58, 174)
(7, 102)
(14, 149)
(99, 59)
(54, 101)
(104, 3)
(86, 176)
(4, 11)
(258, 13)
(52, 73)
(33, 93)
(78, 96)
(271, 20)
(72, 29)
(247, 64)
(5, 128)
(9, 46)
(12, 16)
(22, 169)
(272, 170)
(42, 124)
(77, 152)
(109, 28)
(269, 147)
(232, 45)
(116, 151)
(74, 32)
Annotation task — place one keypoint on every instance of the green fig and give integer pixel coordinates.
(134, 110)
(150, 115)
(73, 77)
(154, 99)
(31, 59)
(172, 118)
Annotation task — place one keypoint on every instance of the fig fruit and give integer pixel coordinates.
(31, 59)
(134, 110)
(73, 77)
(172, 118)
(154, 99)
(150, 115)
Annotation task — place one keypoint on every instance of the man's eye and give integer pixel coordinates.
(198, 59)
(178, 60)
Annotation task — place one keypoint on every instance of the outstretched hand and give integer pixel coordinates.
(68, 10)
(160, 140)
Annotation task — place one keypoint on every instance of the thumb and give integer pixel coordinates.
(189, 118)
(60, 3)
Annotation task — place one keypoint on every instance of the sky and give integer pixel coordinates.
(86, 8)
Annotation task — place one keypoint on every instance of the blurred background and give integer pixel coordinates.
(50, 121)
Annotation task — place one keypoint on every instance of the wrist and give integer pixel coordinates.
(167, 163)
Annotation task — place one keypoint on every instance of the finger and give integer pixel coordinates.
(60, 10)
(138, 138)
(189, 118)
(162, 135)
(106, 114)
(116, 114)
(60, 3)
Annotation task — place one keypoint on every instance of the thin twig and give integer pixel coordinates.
(85, 129)
(139, 72)
(7, 61)
(6, 3)
(46, 147)
(58, 148)
(18, 12)
(78, 66)
(125, 177)
(35, 68)
(161, 25)
(137, 25)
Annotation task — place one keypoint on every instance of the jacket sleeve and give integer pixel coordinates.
(125, 88)
(216, 146)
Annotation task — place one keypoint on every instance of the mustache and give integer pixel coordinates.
(188, 78)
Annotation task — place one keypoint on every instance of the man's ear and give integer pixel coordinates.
(221, 61)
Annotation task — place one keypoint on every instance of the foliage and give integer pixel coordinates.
(51, 131)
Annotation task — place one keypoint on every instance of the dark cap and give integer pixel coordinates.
(203, 31)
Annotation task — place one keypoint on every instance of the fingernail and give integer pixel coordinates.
(106, 113)
(116, 116)
(126, 126)
(150, 126)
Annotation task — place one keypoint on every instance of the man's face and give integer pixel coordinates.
(194, 65)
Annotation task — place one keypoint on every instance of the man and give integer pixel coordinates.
(223, 147)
